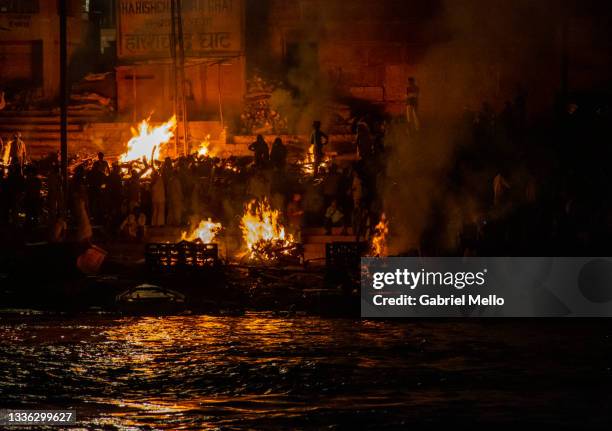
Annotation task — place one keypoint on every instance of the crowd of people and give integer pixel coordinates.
(510, 188)
(125, 199)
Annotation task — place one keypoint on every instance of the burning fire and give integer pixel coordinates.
(307, 163)
(379, 239)
(263, 231)
(204, 149)
(147, 141)
(206, 232)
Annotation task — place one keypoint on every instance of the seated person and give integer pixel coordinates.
(333, 217)
(133, 227)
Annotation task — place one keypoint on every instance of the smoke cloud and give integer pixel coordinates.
(483, 51)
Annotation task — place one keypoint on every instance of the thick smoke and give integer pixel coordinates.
(483, 51)
(416, 179)
(308, 92)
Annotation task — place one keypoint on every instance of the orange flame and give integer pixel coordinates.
(147, 141)
(206, 231)
(261, 227)
(307, 163)
(379, 240)
(204, 149)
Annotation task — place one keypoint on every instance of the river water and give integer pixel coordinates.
(260, 371)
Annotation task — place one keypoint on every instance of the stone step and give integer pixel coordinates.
(37, 135)
(48, 114)
(76, 118)
(50, 127)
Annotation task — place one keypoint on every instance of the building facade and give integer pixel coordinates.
(213, 44)
(29, 46)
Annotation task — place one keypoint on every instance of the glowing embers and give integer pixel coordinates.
(264, 234)
(379, 238)
(149, 142)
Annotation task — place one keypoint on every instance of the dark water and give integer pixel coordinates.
(263, 372)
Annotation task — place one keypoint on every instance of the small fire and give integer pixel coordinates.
(379, 239)
(4, 155)
(263, 231)
(206, 231)
(204, 149)
(307, 163)
(147, 141)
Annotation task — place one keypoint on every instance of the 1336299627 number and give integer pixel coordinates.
(37, 417)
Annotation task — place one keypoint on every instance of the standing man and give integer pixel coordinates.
(295, 217)
(412, 105)
(101, 166)
(261, 151)
(98, 178)
(317, 140)
(17, 151)
(278, 154)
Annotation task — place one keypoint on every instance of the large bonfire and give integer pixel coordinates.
(206, 232)
(148, 141)
(264, 233)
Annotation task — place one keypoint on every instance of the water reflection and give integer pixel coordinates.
(260, 371)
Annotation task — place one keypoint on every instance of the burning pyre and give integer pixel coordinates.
(264, 233)
(149, 142)
(379, 238)
(204, 148)
(206, 232)
(307, 163)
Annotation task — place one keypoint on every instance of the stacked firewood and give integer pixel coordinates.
(277, 251)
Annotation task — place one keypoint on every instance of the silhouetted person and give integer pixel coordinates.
(295, 217)
(101, 166)
(333, 217)
(115, 194)
(14, 191)
(32, 201)
(158, 198)
(260, 148)
(331, 184)
(133, 190)
(318, 139)
(54, 192)
(97, 178)
(412, 104)
(18, 151)
(278, 154)
(81, 214)
(365, 145)
(174, 199)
